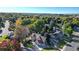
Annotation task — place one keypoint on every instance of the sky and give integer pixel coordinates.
(51, 10)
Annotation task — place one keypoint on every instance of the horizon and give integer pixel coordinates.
(39, 13)
(41, 10)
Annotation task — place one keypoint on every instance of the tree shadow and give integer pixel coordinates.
(75, 41)
(69, 45)
(77, 48)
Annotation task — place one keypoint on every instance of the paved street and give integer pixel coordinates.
(74, 45)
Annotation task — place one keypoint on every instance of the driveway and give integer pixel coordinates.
(5, 30)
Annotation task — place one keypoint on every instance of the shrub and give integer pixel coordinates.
(7, 45)
(5, 36)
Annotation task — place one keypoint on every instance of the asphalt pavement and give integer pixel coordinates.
(74, 45)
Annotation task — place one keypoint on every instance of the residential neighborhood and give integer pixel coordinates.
(39, 32)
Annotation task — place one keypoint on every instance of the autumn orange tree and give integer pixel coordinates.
(21, 31)
(18, 22)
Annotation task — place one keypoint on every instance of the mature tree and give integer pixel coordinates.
(21, 32)
(75, 21)
(1, 23)
(26, 22)
(39, 24)
(18, 22)
(67, 29)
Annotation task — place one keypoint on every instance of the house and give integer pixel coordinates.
(56, 37)
(39, 40)
(75, 28)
